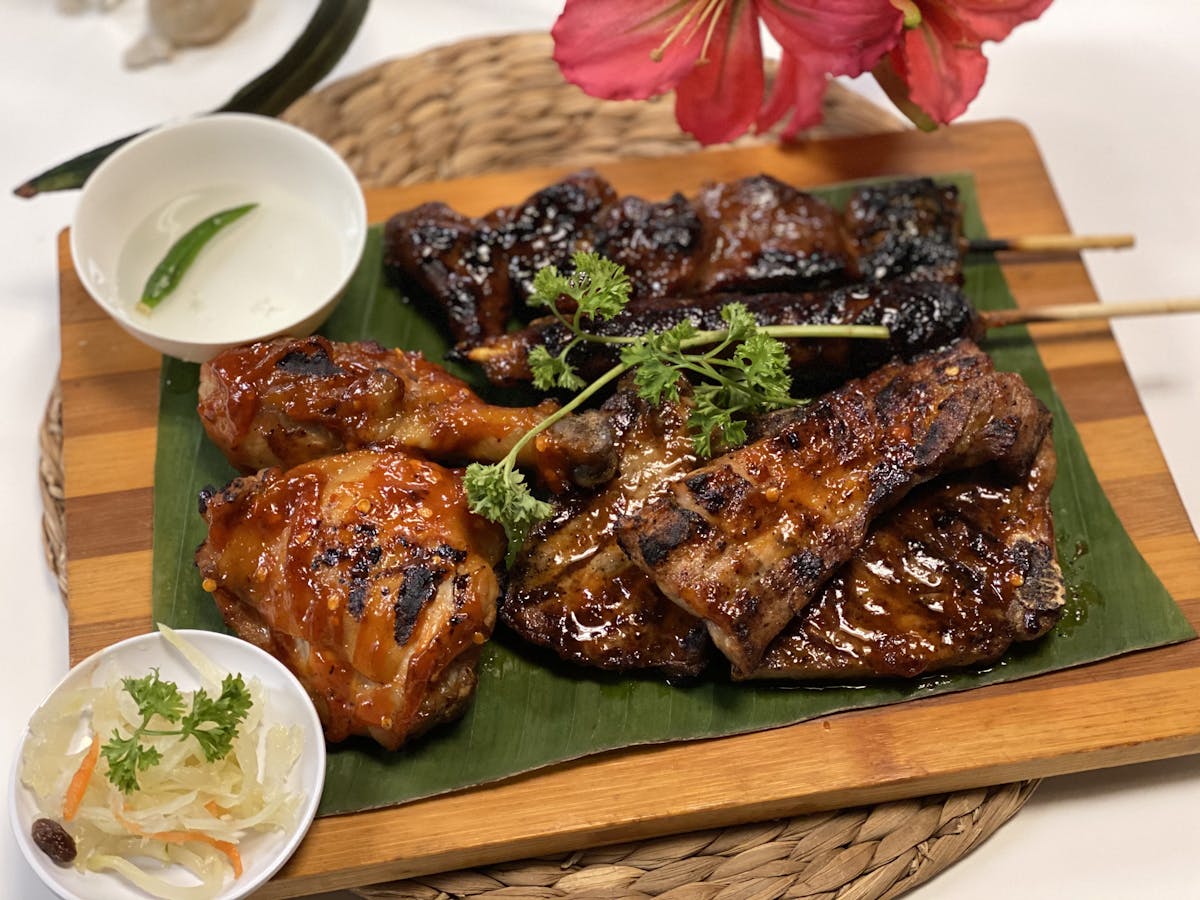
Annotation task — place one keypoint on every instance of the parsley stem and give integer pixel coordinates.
(563, 411)
(699, 339)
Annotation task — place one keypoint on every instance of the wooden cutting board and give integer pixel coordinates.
(1134, 708)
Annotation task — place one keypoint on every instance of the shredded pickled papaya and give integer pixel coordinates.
(188, 811)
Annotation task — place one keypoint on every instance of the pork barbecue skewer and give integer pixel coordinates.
(753, 235)
(920, 315)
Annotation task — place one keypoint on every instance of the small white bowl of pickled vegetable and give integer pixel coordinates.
(255, 802)
(278, 269)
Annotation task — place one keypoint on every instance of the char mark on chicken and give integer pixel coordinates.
(290, 400)
(746, 541)
(366, 575)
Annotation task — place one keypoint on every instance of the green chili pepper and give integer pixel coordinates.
(183, 253)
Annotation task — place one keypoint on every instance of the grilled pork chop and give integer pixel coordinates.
(746, 541)
(958, 571)
(367, 576)
(574, 591)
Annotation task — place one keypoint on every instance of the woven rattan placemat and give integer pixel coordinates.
(499, 103)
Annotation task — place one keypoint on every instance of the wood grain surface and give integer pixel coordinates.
(1134, 708)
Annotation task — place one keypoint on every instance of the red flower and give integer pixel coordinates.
(938, 64)
(926, 54)
(709, 52)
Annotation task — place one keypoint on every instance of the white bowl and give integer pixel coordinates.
(278, 270)
(262, 853)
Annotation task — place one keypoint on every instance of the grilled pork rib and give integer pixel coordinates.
(367, 576)
(746, 541)
(963, 567)
(574, 591)
(747, 236)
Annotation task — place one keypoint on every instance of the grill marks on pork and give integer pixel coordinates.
(746, 541)
(952, 577)
(574, 591)
(366, 574)
(905, 229)
(920, 316)
(748, 236)
(477, 270)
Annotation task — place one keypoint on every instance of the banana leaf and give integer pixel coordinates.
(532, 711)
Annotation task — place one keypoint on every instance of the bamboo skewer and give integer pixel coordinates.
(1080, 312)
(1050, 243)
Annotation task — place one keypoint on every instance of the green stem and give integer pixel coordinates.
(700, 338)
(566, 409)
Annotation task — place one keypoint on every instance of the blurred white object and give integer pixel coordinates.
(74, 7)
(183, 23)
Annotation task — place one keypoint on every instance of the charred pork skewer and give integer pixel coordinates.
(749, 235)
(752, 235)
(746, 541)
(920, 316)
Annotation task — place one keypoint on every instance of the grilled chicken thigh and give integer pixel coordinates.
(367, 576)
(746, 541)
(290, 400)
(958, 571)
(574, 590)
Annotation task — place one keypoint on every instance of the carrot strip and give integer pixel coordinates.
(81, 779)
(214, 810)
(183, 837)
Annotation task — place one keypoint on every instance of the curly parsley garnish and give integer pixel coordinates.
(212, 721)
(742, 372)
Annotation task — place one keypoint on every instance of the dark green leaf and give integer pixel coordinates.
(529, 713)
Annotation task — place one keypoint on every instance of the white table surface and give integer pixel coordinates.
(1108, 88)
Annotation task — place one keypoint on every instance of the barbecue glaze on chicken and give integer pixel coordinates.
(290, 400)
(746, 541)
(366, 575)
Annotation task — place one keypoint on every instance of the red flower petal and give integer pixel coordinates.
(719, 100)
(993, 20)
(839, 37)
(604, 47)
(941, 63)
(797, 94)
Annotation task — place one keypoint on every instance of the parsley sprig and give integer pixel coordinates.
(212, 721)
(743, 371)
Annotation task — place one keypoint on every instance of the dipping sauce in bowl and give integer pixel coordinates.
(280, 269)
